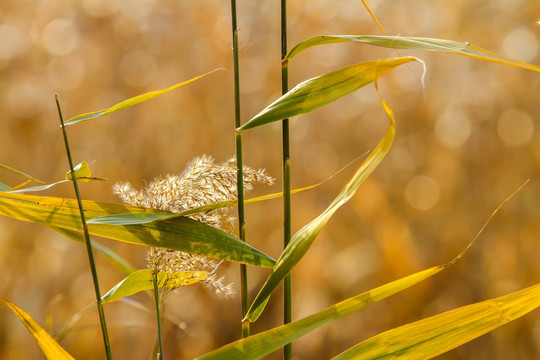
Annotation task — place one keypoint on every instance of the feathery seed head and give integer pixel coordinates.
(203, 182)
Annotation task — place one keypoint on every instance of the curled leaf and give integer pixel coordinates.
(82, 172)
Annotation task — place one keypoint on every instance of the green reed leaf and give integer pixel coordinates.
(438, 334)
(142, 280)
(131, 101)
(179, 234)
(51, 349)
(303, 239)
(413, 43)
(322, 90)
(261, 344)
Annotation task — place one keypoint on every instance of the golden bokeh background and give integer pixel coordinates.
(464, 142)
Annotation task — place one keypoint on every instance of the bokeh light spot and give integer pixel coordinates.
(25, 100)
(65, 73)
(521, 44)
(100, 8)
(59, 37)
(138, 68)
(10, 42)
(422, 192)
(515, 127)
(453, 128)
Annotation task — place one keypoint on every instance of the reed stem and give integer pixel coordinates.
(158, 314)
(287, 282)
(87, 238)
(239, 165)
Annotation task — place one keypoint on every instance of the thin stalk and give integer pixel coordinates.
(239, 167)
(87, 238)
(158, 314)
(287, 282)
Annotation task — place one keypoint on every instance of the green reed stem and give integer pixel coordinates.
(87, 238)
(239, 166)
(287, 282)
(158, 314)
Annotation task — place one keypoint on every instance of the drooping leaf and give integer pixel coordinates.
(261, 344)
(131, 101)
(322, 90)
(302, 240)
(141, 280)
(413, 43)
(438, 334)
(51, 349)
(179, 234)
(82, 172)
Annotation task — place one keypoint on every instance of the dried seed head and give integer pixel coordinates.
(202, 183)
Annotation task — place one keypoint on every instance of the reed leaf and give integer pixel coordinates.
(142, 280)
(413, 43)
(4, 187)
(112, 256)
(256, 346)
(38, 188)
(131, 101)
(179, 234)
(302, 240)
(82, 172)
(51, 349)
(144, 218)
(18, 172)
(438, 334)
(316, 92)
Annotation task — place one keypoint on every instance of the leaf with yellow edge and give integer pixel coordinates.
(179, 234)
(131, 101)
(301, 241)
(438, 334)
(413, 43)
(48, 345)
(261, 344)
(316, 92)
(142, 280)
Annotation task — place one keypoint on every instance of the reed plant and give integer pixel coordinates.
(190, 223)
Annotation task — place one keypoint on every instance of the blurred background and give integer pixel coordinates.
(464, 143)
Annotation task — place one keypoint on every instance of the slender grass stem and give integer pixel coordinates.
(287, 283)
(239, 164)
(87, 238)
(158, 314)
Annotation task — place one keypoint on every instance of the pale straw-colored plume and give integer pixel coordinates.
(203, 182)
